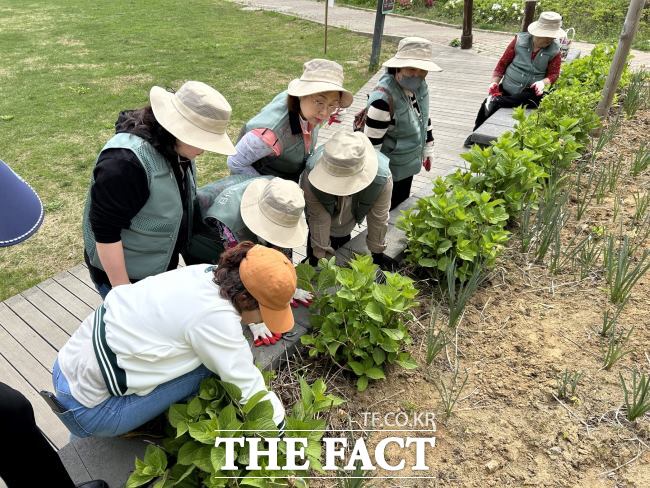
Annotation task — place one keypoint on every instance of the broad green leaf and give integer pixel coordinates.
(254, 400)
(362, 383)
(394, 334)
(357, 367)
(232, 390)
(205, 431)
(155, 457)
(378, 355)
(375, 373)
(406, 361)
(177, 413)
(138, 479)
(374, 311)
(263, 410)
(195, 407)
(217, 457)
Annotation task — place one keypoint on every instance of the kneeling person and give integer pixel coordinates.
(347, 180)
(152, 343)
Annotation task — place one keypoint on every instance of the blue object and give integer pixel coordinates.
(21, 210)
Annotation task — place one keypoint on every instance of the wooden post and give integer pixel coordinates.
(620, 56)
(377, 35)
(466, 38)
(529, 14)
(327, 4)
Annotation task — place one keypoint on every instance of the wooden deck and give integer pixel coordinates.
(37, 322)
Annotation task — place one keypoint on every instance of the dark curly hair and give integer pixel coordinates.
(143, 123)
(226, 276)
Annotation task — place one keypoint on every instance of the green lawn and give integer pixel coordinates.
(68, 67)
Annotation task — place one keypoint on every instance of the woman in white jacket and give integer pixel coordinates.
(151, 343)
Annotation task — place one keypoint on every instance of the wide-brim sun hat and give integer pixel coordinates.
(347, 164)
(549, 24)
(271, 279)
(275, 211)
(196, 114)
(413, 52)
(319, 76)
(21, 210)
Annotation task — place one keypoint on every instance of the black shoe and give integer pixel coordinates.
(468, 142)
(94, 484)
(385, 263)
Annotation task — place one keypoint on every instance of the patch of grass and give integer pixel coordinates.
(69, 67)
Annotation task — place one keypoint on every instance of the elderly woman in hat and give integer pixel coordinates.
(139, 208)
(398, 122)
(152, 343)
(530, 63)
(279, 139)
(345, 182)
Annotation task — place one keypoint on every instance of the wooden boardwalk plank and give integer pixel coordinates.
(81, 272)
(49, 307)
(79, 289)
(67, 300)
(23, 334)
(37, 375)
(38, 321)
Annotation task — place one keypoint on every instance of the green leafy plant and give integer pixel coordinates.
(189, 457)
(357, 322)
(455, 222)
(567, 383)
(637, 397)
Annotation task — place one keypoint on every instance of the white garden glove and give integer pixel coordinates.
(262, 335)
(301, 297)
(538, 87)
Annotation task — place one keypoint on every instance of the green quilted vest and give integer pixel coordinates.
(404, 142)
(291, 162)
(523, 71)
(149, 242)
(362, 201)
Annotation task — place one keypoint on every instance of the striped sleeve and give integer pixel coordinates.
(377, 121)
(429, 133)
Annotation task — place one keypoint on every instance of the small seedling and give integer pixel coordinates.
(637, 398)
(436, 339)
(620, 271)
(567, 384)
(618, 203)
(588, 256)
(641, 159)
(641, 204)
(616, 348)
(586, 193)
(449, 394)
(637, 93)
(610, 318)
(459, 294)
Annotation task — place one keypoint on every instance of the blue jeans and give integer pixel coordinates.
(119, 415)
(103, 289)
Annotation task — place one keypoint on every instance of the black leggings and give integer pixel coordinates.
(18, 427)
(335, 242)
(527, 98)
(401, 191)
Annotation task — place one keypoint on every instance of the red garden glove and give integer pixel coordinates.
(262, 336)
(301, 297)
(427, 157)
(426, 164)
(335, 118)
(494, 90)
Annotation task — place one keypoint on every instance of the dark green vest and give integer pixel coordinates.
(404, 142)
(149, 241)
(362, 201)
(291, 162)
(523, 71)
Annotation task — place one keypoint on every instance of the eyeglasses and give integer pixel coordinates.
(321, 106)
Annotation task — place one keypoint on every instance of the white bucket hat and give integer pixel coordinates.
(347, 165)
(196, 114)
(548, 25)
(318, 76)
(413, 52)
(275, 211)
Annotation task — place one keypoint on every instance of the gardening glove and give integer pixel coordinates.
(538, 87)
(384, 262)
(335, 118)
(301, 297)
(262, 335)
(428, 157)
(494, 90)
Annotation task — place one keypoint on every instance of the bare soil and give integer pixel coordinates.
(520, 331)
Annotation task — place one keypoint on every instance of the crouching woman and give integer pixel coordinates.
(152, 343)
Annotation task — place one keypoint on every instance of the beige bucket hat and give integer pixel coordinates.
(549, 24)
(413, 52)
(347, 165)
(275, 211)
(196, 114)
(318, 76)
